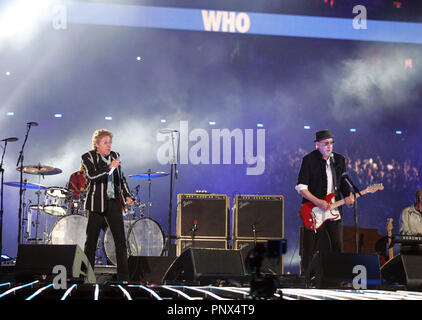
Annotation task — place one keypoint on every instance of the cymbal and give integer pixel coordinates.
(149, 174)
(26, 185)
(40, 170)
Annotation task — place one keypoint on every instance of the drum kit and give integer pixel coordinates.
(144, 236)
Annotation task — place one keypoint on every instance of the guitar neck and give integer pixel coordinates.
(341, 202)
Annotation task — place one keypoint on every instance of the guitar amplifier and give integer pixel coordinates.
(183, 244)
(202, 216)
(258, 216)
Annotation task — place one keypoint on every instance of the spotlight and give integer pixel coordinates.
(10, 113)
(163, 120)
(352, 130)
(399, 132)
(211, 123)
(58, 115)
(8, 73)
(306, 127)
(108, 118)
(259, 125)
(138, 58)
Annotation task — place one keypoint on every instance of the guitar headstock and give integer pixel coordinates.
(374, 188)
(389, 225)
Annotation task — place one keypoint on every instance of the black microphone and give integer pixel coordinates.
(33, 123)
(194, 226)
(12, 139)
(346, 178)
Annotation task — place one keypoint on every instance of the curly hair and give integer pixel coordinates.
(98, 134)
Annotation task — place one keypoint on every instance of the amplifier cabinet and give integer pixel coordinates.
(203, 216)
(183, 244)
(258, 216)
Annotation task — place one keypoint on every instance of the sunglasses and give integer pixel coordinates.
(328, 143)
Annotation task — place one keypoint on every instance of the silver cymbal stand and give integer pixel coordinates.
(37, 222)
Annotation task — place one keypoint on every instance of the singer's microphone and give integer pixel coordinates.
(332, 157)
(165, 131)
(12, 139)
(33, 123)
(112, 169)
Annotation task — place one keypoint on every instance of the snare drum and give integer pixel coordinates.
(56, 201)
(144, 238)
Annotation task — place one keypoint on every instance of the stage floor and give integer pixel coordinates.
(41, 291)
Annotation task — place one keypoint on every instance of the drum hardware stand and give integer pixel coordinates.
(38, 193)
(173, 166)
(1, 192)
(20, 160)
(27, 219)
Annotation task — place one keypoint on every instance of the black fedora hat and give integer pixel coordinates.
(322, 135)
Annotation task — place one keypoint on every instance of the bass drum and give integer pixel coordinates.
(144, 237)
(70, 229)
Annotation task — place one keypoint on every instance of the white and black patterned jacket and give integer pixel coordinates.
(96, 171)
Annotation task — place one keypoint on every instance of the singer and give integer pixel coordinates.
(319, 175)
(107, 193)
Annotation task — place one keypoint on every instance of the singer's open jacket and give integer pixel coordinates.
(96, 171)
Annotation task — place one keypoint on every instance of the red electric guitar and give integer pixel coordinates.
(313, 217)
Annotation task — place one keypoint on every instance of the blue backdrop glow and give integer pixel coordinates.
(87, 72)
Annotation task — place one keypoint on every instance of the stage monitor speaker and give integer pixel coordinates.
(36, 261)
(258, 216)
(206, 266)
(149, 269)
(404, 269)
(269, 265)
(204, 215)
(186, 243)
(337, 270)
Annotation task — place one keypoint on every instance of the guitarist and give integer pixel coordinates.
(411, 224)
(319, 176)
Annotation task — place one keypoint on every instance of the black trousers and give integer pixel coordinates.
(114, 218)
(328, 238)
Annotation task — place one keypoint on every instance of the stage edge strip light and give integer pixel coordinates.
(5, 284)
(68, 291)
(17, 288)
(207, 293)
(155, 295)
(125, 292)
(96, 292)
(38, 292)
(180, 293)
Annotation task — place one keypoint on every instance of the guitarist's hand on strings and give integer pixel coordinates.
(323, 205)
(349, 200)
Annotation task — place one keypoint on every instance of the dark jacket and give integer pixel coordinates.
(96, 171)
(313, 174)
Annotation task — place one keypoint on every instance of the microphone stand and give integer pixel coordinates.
(20, 160)
(1, 199)
(355, 212)
(173, 166)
